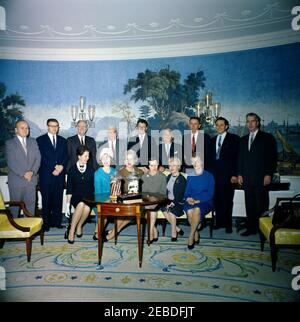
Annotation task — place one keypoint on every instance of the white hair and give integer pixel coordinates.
(104, 151)
(132, 153)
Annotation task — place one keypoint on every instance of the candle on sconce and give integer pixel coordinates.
(81, 103)
(217, 109)
(208, 98)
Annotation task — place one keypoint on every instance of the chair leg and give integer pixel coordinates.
(262, 240)
(164, 225)
(138, 221)
(211, 224)
(28, 248)
(99, 238)
(274, 251)
(42, 237)
(2, 241)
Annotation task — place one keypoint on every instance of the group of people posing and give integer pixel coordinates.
(196, 174)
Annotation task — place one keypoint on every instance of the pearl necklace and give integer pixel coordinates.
(81, 168)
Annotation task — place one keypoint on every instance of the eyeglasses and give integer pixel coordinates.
(53, 125)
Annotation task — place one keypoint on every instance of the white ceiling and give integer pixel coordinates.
(114, 29)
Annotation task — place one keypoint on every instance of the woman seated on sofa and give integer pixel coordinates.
(199, 194)
(153, 182)
(175, 193)
(125, 172)
(102, 176)
(80, 185)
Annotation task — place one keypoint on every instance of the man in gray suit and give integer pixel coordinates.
(23, 160)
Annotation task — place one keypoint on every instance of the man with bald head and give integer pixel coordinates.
(23, 161)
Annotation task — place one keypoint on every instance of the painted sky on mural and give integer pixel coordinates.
(265, 81)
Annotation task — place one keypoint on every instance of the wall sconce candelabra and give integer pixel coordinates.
(208, 108)
(82, 114)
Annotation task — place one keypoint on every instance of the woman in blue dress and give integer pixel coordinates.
(198, 195)
(102, 176)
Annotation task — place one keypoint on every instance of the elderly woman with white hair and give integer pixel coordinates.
(125, 172)
(199, 194)
(103, 174)
(175, 193)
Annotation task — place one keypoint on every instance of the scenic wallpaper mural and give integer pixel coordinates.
(165, 91)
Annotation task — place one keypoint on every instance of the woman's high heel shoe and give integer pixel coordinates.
(79, 235)
(180, 232)
(95, 236)
(197, 241)
(191, 246)
(174, 239)
(155, 239)
(70, 241)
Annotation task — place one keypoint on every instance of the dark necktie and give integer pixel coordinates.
(219, 147)
(53, 142)
(193, 144)
(82, 143)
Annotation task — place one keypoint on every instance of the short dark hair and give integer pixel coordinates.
(195, 118)
(52, 120)
(81, 149)
(256, 117)
(221, 118)
(142, 121)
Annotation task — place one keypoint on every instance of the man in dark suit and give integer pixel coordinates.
(79, 139)
(257, 164)
(224, 166)
(195, 142)
(54, 153)
(168, 149)
(23, 161)
(143, 144)
(117, 147)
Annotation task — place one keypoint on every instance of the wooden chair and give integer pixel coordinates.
(118, 210)
(19, 228)
(276, 235)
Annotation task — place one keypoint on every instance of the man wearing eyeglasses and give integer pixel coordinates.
(54, 159)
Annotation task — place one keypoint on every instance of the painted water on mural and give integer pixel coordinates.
(164, 91)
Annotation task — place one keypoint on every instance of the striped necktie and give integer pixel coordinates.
(251, 140)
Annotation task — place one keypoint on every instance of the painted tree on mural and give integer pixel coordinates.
(163, 91)
(9, 113)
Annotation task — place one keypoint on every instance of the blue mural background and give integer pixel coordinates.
(265, 81)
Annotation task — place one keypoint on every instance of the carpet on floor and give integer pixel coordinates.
(215, 270)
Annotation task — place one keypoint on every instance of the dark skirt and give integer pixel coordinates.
(177, 210)
(75, 200)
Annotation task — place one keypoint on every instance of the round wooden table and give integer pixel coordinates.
(108, 207)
